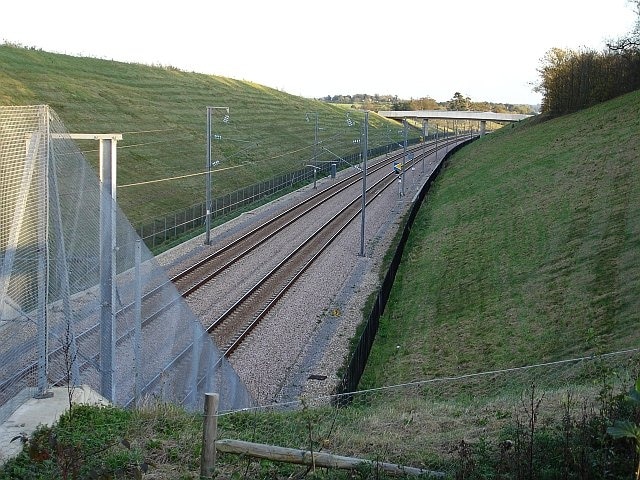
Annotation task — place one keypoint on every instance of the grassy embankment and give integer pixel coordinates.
(526, 251)
(162, 114)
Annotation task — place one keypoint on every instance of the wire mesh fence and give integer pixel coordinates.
(52, 297)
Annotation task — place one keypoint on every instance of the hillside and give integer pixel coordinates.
(527, 250)
(161, 112)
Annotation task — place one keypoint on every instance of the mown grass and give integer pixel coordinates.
(527, 250)
(162, 115)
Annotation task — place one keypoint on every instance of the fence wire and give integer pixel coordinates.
(454, 423)
(50, 295)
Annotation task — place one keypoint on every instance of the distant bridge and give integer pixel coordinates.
(482, 117)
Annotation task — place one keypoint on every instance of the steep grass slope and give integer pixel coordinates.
(527, 250)
(162, 114)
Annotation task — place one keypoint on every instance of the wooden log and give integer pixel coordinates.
(209, 433)
(319, 459)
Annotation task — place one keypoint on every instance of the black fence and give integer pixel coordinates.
(358, 362)
(178, 224)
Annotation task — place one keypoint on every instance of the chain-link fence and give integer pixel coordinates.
(55, 224)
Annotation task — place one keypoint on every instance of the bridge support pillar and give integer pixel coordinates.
(483, 127)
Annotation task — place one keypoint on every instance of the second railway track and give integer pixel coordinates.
(234, 325)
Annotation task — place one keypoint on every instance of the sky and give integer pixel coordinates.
(487, 50)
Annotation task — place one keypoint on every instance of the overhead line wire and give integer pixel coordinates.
(149, 131)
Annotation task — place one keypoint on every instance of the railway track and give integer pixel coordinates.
(233, 327)
(242, 317)
(199, 274)
(239, 320)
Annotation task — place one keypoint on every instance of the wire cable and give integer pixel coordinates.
(177, 177)
(149, 131)
(446, 379)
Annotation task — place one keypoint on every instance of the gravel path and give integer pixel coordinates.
(298, 348)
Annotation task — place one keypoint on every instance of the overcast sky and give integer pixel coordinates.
(487, 50)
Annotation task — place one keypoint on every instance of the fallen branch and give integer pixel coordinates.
(319, 459)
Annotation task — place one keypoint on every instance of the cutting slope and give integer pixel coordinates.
(526, 250)
(162, 113)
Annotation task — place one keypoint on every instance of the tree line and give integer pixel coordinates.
(572, 80)
(457, 102)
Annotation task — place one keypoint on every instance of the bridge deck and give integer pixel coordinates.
(455, 115)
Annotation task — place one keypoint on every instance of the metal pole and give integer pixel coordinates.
(365, 148)
(196, 350)
(404, 161)
(138, 322)
(426, 137)
(315, 146)
(107, 265)
(207, 238)
(43, 251)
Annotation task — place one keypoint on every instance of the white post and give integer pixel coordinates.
(108, 161)
(207, 237)
(107, 260)
(207, 218)
(41, 183)
(404, 157)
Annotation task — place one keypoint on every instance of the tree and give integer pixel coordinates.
(572, 80)
(401, 105)
(458, 102)
(554, 80)
(425, 103)
(632, 40)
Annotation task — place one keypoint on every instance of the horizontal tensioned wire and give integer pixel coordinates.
(448, 379)
(411, 422)
(179, 177)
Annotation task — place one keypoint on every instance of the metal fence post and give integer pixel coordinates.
(108, 160)
(43, 322)
(138, 323)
